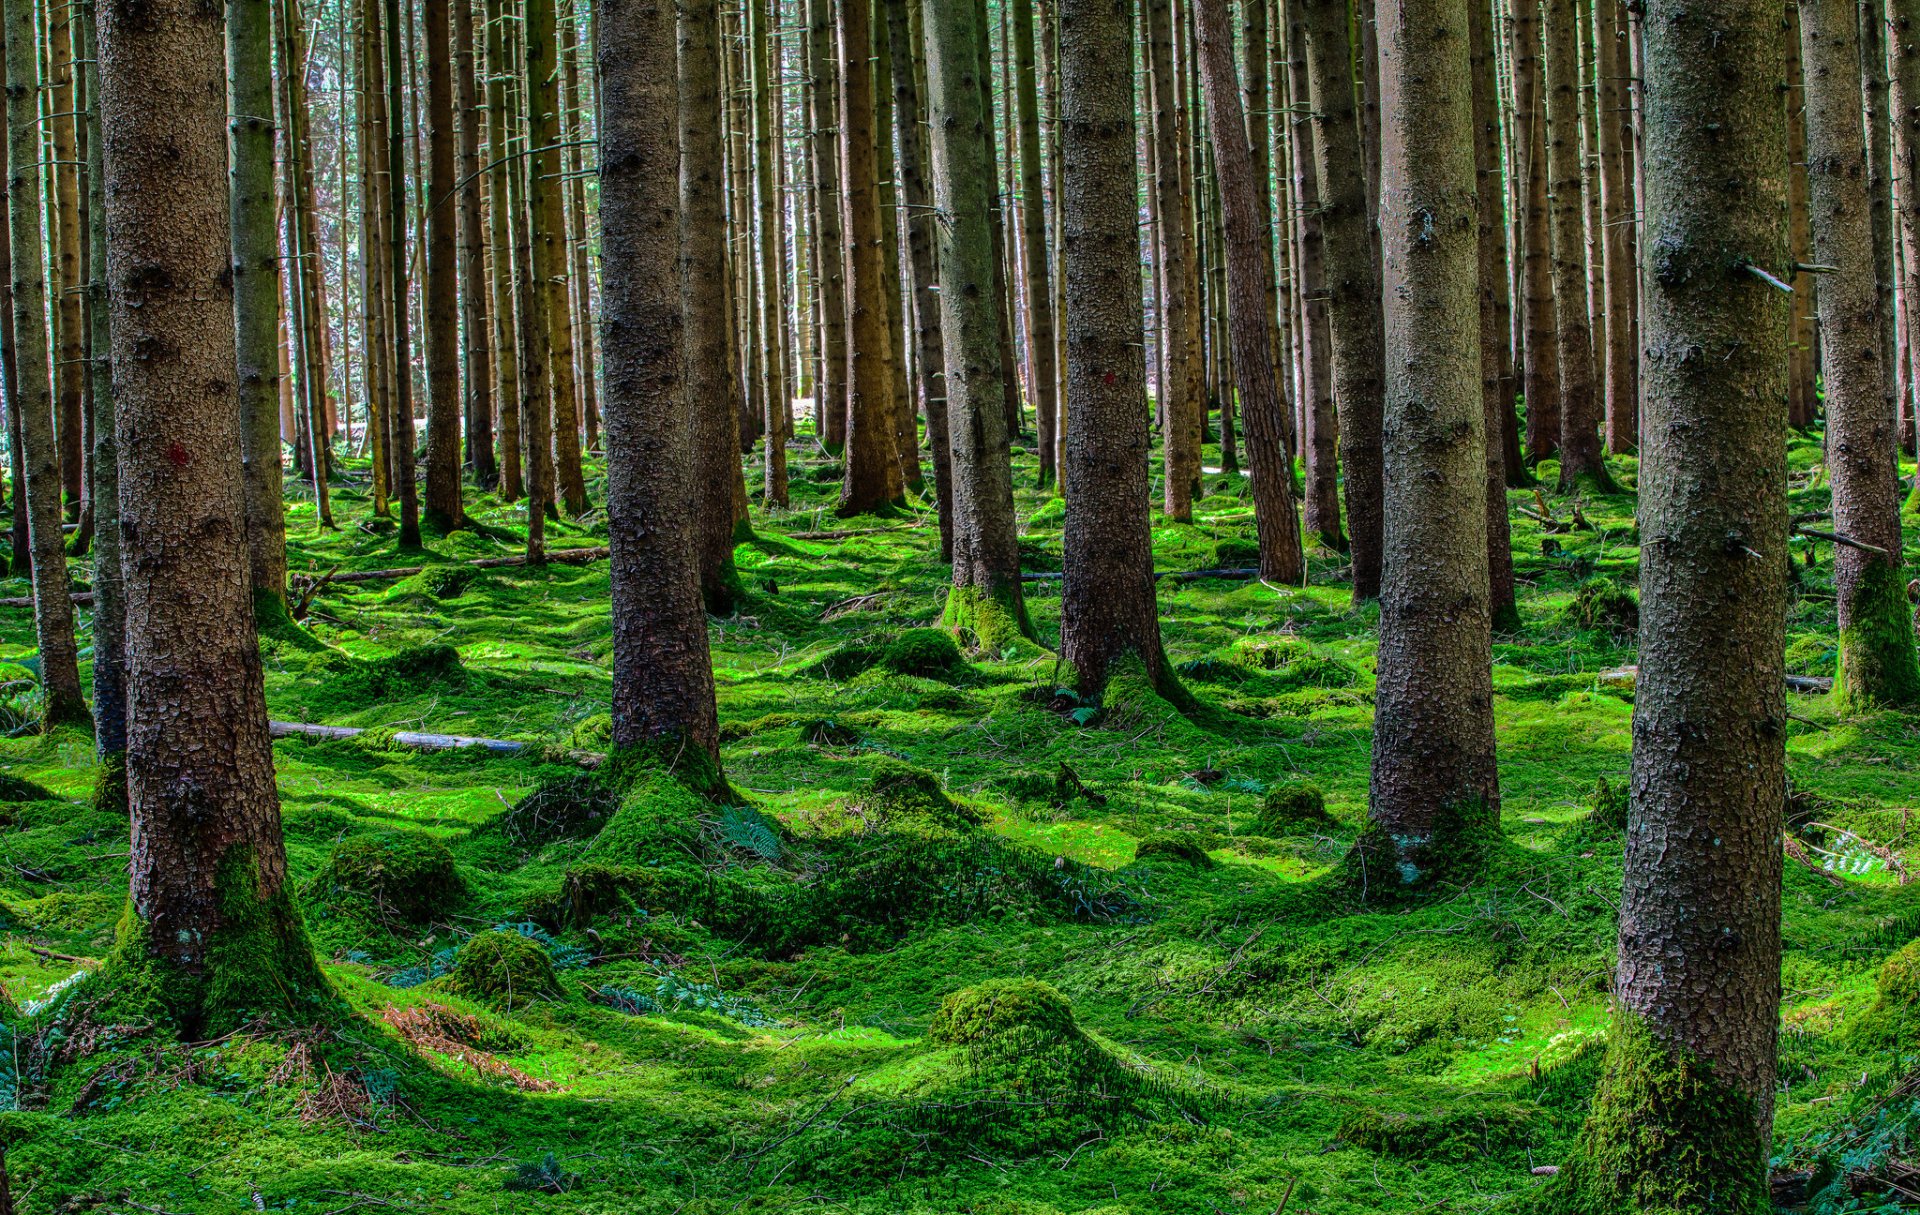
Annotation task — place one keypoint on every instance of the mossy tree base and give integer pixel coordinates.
(273, 622)
(1879, 668)
(1386, 867)
(997, 619)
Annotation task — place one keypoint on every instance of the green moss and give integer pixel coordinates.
(20, 789)
(1290, 808)
(397, 676)
(1607, 809)
(843, 662)
(399, 875)
(565, 807)
(1664, 1137)
(504, 966)
(1003, 1009)
(1604, 606)
(439, 582)
(1236, 554)
(997, 621)
(1385, 868)
(1878, 666)
(110, 784)
(899, 795)
(1481, 1128)
(276, 625)
(1812, 654)
(1173, 846)
(929, 653)
(657, 823)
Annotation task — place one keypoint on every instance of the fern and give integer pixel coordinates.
(747, 830)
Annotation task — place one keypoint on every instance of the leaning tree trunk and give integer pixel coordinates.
(713, 378)
(1581, 462)
(256, 299)
(663, 695)
(1682, 1117)
(32, 400)
(212, 931)
(1353, 280)
(442, 510)
(1108, 612)
(1278, 523)
(1877, 661)
(1434, 797)
(986, 594)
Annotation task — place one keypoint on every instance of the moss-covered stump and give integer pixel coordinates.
(572, 806)
(900, 796)
(503, 966)
(398, 875)
(1293, 808)
(928, 653)
(996, 623)
(1175, 846)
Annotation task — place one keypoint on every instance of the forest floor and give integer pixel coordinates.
(1244, 1034)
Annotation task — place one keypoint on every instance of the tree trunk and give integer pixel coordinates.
(1353, 281)
(1496, 354)
(307, 382)
(1616, 225)
(1320, 435)
(547, 208)
(663, 694)
(1108, 612)
(986, 597)
(443, 507)
(1879, 129)
(212, 930)
(830, 389)
(1682, 1117)
(1281, 560)
(1906, 150)
(1180, 457)
(1256, 90)
(1803, 398)
(66, 235)
(534, 318)
(1541, 347)
(1877, 661)
(502, 215)
(32, 399)
(475, 300)
(579, 226)
(904, 419)
(1435, 794)
(1036, 258)
(400, 437)
(19, 563)
(1581, 464)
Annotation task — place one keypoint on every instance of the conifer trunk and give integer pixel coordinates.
(830, 280)
(1036, 261)
(769, 331)
(1541, 343)
(546, 208)
(400, 430)
(1320, 432)
(1580, 405)
(580, 280)
(1616, 226)
(1803, 400)
(1496, 353)
(502, 214)
(65, 236)
(1179, 408)
(442, 511)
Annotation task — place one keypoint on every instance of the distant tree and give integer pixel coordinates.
(441, 285)
(546, 212)
(830, 281)
(476, 299)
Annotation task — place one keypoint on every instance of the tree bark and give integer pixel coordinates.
(1682, 1116)
(830, 389)
(1581, 463)
(1108, 612)
(65, 236)
(476, 300)
(1803, 399)
(1877, 661)
(32, 399)
(1616, 226)
(1035, 256)
(663, 694)
(503, 214)
(546, 207)
(1244, 220)
(1435, 794)
(1541, 346)
(1496, 351)
(1320, 432)
(770, 331)
(1353, 281)
(400, 434)
(443, 510)
(1179, 407)
(212, 925)
(576, 133)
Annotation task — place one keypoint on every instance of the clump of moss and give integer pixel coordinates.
(69, 911)
(1292, 664)
(19, 789)
(1602, 605)
(1895, 1014)
(403, 875)
(826, 732)
(1215, 670)
(657, 823)
(592, 733)
(403, 673)
(1607, 809)
(1291, 808)
(843, 662)
(1475, 1128)
(900, 795)
(439, 582)
(572, 806)
(503, 966)
(1059, 790)
(1236, 554)
(1812, 654)
(1173, 846)
(928, 653)
(1002, 1009)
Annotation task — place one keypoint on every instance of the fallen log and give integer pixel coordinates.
(1628, 675)
(1176, 575)
(83, 598)
(418, 740)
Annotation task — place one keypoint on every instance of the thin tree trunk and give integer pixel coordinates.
(443, 508)
(1496, 355)
(871, 466)
(546, 207)
(1682, 1117)
(66, 235)
(1321, 433)
(776, 396)
(1036, 258)
(1581, 463)
(212, 929)
(1179, 408)
(578, 225)
(1541, 347)
(303, 348)
(534, 317)
(400, 436)
(503, 214)
(1617, 219)
(830, 391)
(476, 304)
(1803, 401)
(1879, 128)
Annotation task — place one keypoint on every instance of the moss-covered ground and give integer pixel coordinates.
(1224, 1037)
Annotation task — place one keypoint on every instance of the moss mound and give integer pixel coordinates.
(503, 966)
(827, 732)
(1002, 1009)
(1292, 808)
(1292, 664)
(844, 662)
(1602, 605)
(1173, 846)
(567, 807)
(928, 653)
(440, 582)
(899, 795)
(395, 676)
(401, 875)
(1236, 555)
(1482, 1128)
(15, 789)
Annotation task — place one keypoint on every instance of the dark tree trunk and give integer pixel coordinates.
(775, 395)
(212, 926)
(399, 316)
(1036, 263)
(872, 467)
(1617, 220)
(1179, 407)
(576, 133)
(830, 389)
(1581, 463)
(442, 283)
(1320, 432)
(1877, 660)
(1682, 1117)
(546, 206)
(534, 316)
(1434, 799)
(1247, 234)
(502, 216)
(1353, 280)
(476, 301)
(1541, 346)
(1496, 350)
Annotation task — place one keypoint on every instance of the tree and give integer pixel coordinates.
(213, 937)
(476, 301)
(1434, 795)
(1681, 1120)
(546, 211)
(32, 399)
(502, 211)
(1179, 406)
(1320, 429)
(830, 279)
(399, 321)
(1540, 369)
(663, 694)
(1108, 613)
(1496, 316)
(1878, 665)
(442, 281)
(1353, 279)
(986, 594)
(1038, 272)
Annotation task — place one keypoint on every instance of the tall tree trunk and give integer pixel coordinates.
(1496, 353)
(767, 328)
(1244, 220)
(32, 399)
(374, 260)
(1682, 1117)
(256, 298)
(1541, 347)
(1320, 436)
(1581, 463)
(302, 253)
(1434, 797)
(986, 596)
(713, 378)
(19, 563)
(212, 929)
(663, 695)
(1803, 398)
(1108, 611)
(1616, 226)
(1877, 661)
(823, 111)
(904, 418)
(546, 205)
(443, 510)
(578, 137)
(1906, 150)
(476, 311)
(502, 215)
(1353, 281)
(1035, 257)
(535, 322)
(66, 235)
(1179, 408)
(871, 465)
(400, 437)
(1255, 89)
(1879, 130)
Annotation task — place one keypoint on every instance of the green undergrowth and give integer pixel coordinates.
(943, 936)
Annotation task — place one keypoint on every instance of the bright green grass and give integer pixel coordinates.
(1289, 1025)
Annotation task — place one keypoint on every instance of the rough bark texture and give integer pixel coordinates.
(577, 134)
(1353, 280)
(256, 292)
(1617, 217)
(713, 381)
(441, 286)
(1276, 516)
(400, 436)
(1179, 405)
(66, 235)
(1434, 796)
(1541, 353)
(1580, 405)
(213, 937)
(501, 217)
(546, 204)
(1035, 258)
(830, 389)
(1682, 1116)
(1496, 350)
(769, 328)
(1803, 400)
(476, 298)
(986, 596)
(1108, 612)
(663, 680)
(103, 489)
(871, 464)
(1320, 429)
(1877, 661)
(33, 379)
(534, 316)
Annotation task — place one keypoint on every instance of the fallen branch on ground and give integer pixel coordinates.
(1176, 575)
(419, 741)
